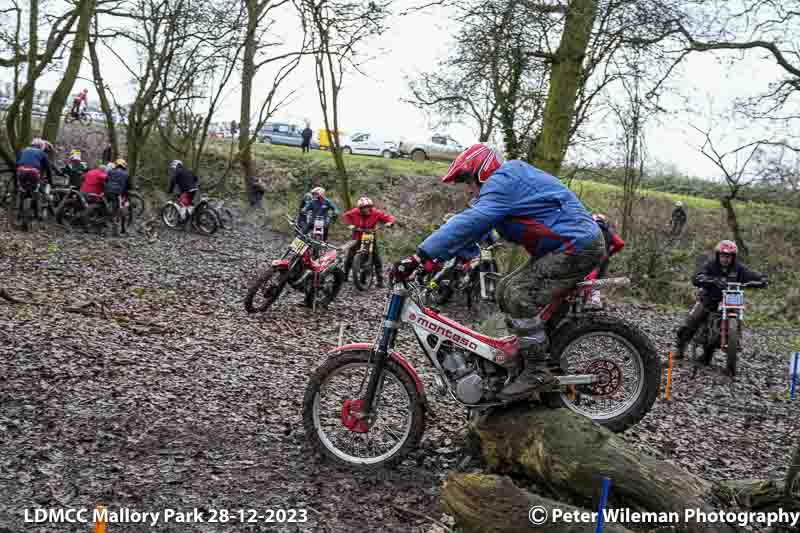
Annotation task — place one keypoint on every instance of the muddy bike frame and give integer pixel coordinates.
(405, 306)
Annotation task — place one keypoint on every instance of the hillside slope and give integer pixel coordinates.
(660, 268)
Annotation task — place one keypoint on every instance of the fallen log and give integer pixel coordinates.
(485, 503)
(759, 495)
(569, 454)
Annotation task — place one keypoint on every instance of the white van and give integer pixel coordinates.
(364, 143)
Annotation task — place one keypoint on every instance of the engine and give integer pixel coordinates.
(471, 378)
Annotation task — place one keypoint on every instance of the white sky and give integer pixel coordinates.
(415, 43)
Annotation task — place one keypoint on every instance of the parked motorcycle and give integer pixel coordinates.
(319, 279)
(722, 328)
(202, 217)
(612, 377)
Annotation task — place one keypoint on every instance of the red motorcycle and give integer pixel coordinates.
(319, 278)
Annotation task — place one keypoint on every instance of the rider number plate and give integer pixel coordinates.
(298, 246)
(733, 298)
(367, 237)
(486, 255)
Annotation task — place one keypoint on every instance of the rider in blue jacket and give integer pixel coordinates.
(319, 206)
(535, 210)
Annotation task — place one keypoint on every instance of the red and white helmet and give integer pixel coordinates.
(726, 247)
(479, 161)
(364, 202)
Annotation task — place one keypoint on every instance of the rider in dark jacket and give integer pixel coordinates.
(185, 180)
(710, 279)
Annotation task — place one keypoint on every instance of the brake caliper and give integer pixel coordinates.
(350, 418)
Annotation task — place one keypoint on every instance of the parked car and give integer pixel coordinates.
(284, 134)
(437, 148)
(369, 144)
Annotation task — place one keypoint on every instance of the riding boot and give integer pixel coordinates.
(687, 331)
(379, 279)
(534, 348)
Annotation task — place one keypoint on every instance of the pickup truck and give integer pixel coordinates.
(437, 148)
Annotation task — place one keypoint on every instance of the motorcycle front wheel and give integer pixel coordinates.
(269, 285)
(334, 395)
(363, 271)
(733, 345)
(170, 216)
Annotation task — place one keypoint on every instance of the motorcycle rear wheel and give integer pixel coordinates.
(395, 377)
(637, 344)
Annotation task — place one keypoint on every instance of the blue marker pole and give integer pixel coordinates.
(794, 374)
(603, 502)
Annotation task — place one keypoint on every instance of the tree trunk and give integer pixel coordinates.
(566, 76)
(24, 135)
(569, 454)
(248, 73)
(494, 504)
(61, 94)
(733, 224)
(105, 105)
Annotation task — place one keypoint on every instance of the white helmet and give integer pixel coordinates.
(318, 190)
(678, 204)
(175, 164)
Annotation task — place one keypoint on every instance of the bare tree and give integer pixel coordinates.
(737, 177)
(632, 115)
(18, 116)
(172, 39)
(261, 49)
(85, 10)
(338, 28)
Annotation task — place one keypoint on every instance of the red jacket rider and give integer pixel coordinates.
(368, 221)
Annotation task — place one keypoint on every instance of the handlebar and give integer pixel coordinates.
(305, 237)
(731, 285)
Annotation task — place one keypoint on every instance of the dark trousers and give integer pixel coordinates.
(306, 146)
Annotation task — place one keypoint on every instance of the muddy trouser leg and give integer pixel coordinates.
(348, 260)
(696, 317)
(378, 263)
(535, 284)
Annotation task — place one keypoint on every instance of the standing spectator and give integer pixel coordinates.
(678, 219)
(108, 154)
(256, 190)
(307, 133)
(234, 128)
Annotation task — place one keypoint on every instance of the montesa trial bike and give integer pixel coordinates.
(607, 370)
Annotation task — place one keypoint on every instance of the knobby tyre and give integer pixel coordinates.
(395, 376)
(205, 221)
(170, 216)
(733, 345)
(363, 271)
(262, 285)
(642, 351)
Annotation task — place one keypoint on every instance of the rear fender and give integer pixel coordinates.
(396, 357)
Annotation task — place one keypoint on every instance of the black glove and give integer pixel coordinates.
(403, 269)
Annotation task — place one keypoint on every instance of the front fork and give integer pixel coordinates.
(391, 324)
